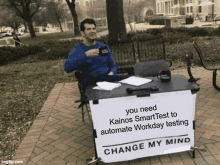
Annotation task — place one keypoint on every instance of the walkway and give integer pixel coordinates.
(58, 136)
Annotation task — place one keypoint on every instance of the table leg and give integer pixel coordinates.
(94, 134)
(214, 80)
(194, 153)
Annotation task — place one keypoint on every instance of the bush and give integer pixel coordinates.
(13, 53)
(49, 50)
(173, 38)
(196, 31)
(53, 50)
(216, 32)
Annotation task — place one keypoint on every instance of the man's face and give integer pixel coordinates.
(90, 32)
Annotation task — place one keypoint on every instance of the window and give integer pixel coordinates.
(171, 6)
(158, 8)
(87, 3)
(94, 3)
(77, 3)
(200, 7)
(191, 8)
(163, 7)
(175, 2)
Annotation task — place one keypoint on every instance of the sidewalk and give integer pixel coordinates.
(58, 135)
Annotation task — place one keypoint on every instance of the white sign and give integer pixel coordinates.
(129, 127)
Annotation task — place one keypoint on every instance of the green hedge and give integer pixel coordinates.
(53, 50)
(49, 50)
(14, 53)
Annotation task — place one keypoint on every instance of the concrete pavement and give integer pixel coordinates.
(58, 135)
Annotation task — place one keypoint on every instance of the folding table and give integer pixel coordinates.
(143, 122)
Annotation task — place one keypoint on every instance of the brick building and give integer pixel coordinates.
(138, 10)
(95, 9)
(202, 8)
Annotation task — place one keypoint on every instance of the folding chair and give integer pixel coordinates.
(123, 52)
(151, 68)
(215, 66)
(82, 100)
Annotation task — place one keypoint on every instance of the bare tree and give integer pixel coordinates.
(96, 9)
(72, 7)
(9, 18)
(128, 12)
(25, 9)
(56, 13)
(90, 10)
(13, 21)
(115, 18)
(80, 12)
(131, 10)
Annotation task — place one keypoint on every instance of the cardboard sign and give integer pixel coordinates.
(129, 127)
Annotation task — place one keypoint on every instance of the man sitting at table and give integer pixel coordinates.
(91, 57)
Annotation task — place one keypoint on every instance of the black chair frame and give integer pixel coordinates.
(82, 100)
(208, 65)
(123, 52)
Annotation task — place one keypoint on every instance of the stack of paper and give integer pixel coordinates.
(107, 85)
(137, 81)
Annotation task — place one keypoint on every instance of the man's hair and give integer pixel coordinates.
(89, 21)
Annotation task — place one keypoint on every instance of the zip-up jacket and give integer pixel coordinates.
(99, 65)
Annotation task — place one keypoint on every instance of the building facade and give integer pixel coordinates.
(95, 9)
(202, 8)
(138, 10)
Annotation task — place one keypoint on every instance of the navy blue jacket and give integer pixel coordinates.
(100, 65)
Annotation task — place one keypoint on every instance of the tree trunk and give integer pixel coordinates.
(25, 27)
(72, 8)
(31, 28)
(115, 18)
(76, 24)
(60, 26)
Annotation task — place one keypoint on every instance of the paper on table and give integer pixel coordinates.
(106, 85)
(137, 81)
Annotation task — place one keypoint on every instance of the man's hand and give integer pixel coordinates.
(92, 53)
(111, 73)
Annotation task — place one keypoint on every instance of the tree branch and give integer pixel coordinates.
(36, 11)
(68, 3)
(19, 13)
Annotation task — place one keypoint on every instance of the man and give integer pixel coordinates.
(91, 57)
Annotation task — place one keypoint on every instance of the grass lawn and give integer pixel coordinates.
(23, 90)
(42, 37)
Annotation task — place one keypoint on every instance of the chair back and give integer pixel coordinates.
(78, 76)
(151, 68)
(123, 52)
(151, 48)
